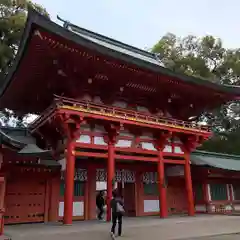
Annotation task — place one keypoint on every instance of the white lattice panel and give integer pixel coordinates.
(120, 175)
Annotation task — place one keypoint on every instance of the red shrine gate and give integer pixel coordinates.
(114, 107)
(111, 142)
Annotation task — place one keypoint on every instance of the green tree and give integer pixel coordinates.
(12, 22)
(13, 15)
(206, 58)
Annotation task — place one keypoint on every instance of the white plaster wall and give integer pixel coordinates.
(151, 206)
(78, 209)
(84, 139)
(148, 146)
(237, 207)
(123, 143)
(101, 186)
(63, 164)
(167, 148)
(178, 150)
(99, 141)
(228, 207)
(201, 208)
(209, 192)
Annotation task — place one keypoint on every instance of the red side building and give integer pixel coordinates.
(107, 112)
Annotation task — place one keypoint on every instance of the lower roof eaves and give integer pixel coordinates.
(222, 161)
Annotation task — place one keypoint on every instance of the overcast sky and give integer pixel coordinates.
(141, 23)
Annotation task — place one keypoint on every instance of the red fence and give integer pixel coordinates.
(116, 112)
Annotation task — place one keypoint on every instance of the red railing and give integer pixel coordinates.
(126, 114)
(45, 115)
(117, 112)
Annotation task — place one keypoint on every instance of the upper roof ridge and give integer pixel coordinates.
(70, 26)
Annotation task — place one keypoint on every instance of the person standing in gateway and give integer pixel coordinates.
(117, 207)
(100, 202)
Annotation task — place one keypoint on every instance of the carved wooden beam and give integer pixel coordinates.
(191, 142)
(113, 132)
(71, 125)
(161, 139)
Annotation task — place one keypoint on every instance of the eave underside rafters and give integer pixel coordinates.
(107, 70)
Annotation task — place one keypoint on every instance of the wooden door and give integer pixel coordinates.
(129, 199)
(25, 201)
(176, 196)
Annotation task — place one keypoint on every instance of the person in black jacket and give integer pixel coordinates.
(100, 202)
(117, 207)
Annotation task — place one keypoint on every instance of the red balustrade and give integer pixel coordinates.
(114, 111)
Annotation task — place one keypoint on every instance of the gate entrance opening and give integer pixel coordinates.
(127, 191)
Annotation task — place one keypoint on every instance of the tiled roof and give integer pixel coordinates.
(216, 160)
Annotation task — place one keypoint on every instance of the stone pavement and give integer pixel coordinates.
(144, 228)
(220, 237)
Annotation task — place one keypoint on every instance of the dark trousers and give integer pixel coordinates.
(117, 217)
(101, 211)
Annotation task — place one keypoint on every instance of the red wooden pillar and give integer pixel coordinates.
(162, 186)
(91, 181)
(110, 177)
(86, 196)
(69, 183)
(2, 197)
(231, 192)
(189, 189)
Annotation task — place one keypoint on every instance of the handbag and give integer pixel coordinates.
(120, 208)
